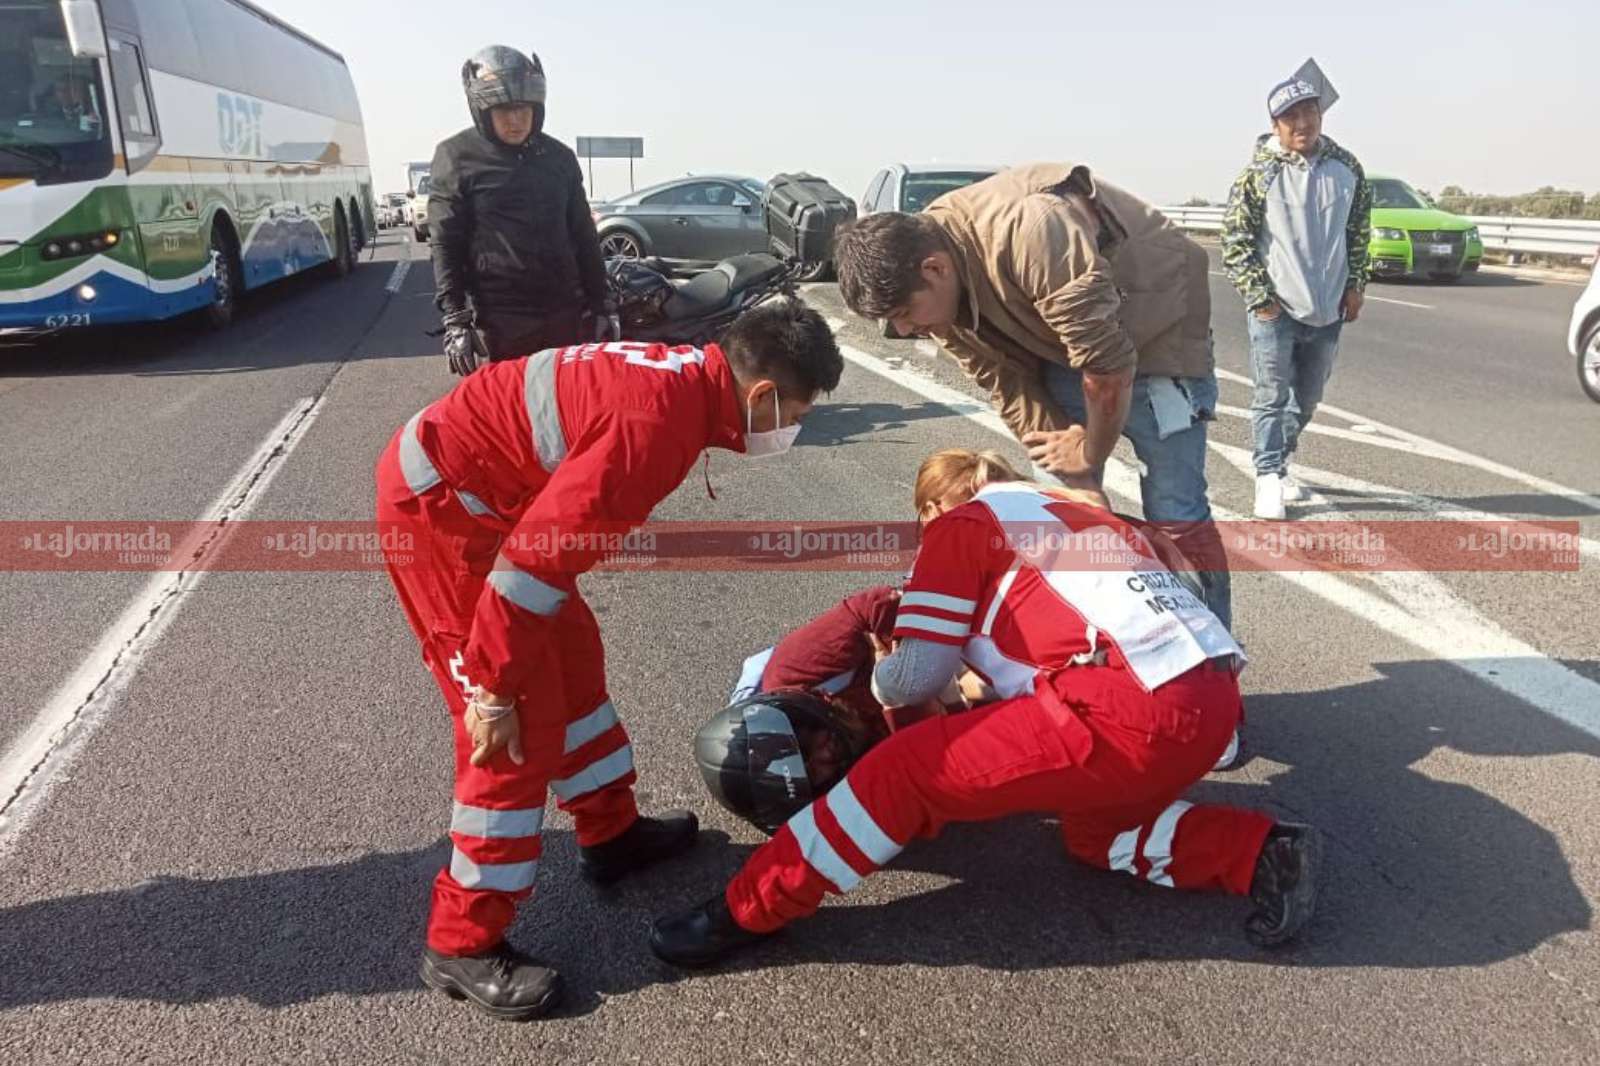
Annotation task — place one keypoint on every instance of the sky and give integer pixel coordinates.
(1162, 98)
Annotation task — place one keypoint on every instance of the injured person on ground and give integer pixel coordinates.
(1111, 689)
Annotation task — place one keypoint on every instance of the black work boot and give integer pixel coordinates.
(646, 841)
(700, 937)
(502, 982)
(1284, 889)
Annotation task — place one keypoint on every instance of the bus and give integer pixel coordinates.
(159, 157)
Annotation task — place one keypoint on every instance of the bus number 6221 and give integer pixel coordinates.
(66, 321)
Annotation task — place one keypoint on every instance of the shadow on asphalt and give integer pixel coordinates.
(1422, 873)
(275, 326)
(847, 423)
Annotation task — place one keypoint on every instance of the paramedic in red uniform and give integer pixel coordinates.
(1118, 691)
(582, 442)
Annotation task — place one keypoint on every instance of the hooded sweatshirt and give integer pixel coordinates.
(1297, 228)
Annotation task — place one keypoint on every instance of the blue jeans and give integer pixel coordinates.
(1290, 362)
(1173, 488)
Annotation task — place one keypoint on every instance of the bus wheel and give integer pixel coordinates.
(224, 278)
(344, 256)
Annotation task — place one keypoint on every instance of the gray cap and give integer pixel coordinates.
(1289, 93)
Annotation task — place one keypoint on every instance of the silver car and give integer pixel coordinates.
(691, 223)
(910, 187)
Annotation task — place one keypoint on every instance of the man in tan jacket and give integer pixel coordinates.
(1084, 312)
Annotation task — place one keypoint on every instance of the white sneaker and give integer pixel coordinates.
(1269, 497)
(1293, 491)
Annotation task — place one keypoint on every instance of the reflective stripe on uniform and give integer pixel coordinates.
(596, 775)
(859, 826)
(492, 876)
(474, 505)
(415, 466)
(1158, 846)
(1123, 849)
(525, 590)
(938, 601)
(819, 854)
(930, 624)
(590, 726)
(496, 824)
(544, 413)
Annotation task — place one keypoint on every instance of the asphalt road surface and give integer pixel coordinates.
(222, 846)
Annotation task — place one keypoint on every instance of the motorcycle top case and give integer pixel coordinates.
(802, 213)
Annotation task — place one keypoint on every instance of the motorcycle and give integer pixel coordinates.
(654, 308)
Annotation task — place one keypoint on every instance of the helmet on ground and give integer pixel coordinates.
(498, 75)
(753, 754)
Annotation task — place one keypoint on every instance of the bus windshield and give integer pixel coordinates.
(53, 107)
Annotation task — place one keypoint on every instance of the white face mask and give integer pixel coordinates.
(773, 441)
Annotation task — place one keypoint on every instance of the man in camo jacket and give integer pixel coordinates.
(1294, 241)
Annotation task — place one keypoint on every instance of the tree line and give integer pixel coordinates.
(1548, 202)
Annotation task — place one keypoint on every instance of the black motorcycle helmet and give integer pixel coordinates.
(499, 75)
(752, 754)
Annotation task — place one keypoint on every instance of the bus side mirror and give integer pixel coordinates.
(85, 34)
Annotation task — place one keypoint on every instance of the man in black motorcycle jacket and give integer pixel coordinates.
(515, 253)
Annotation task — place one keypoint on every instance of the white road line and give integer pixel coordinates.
(1423, 612)
(1380, 299)
(1445, 451)
(1372, 492)
(1366, 436)
(402, 267)
(58, 732)
(1402, 303)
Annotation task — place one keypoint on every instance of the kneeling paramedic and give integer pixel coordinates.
(1118, 691)
(502, 493)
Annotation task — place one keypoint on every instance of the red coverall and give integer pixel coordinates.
(1096, 745)
(503, 491)
(831, 653)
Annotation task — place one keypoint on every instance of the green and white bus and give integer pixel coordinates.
(164, 156)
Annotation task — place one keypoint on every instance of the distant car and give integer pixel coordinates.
(1411, 237)
(690, 223)
(910, 187)
(1583, 339)
(391, 211)
(419, 211)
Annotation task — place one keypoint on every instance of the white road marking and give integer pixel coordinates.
(402, 267)
(1402, 303)
(1380, 299)
(1419, 608)
(1313, 478)
(1422, 612)
(58, 732)
(1439, 450)
(1363, 436)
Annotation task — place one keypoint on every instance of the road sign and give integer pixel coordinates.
(611, 147)
(1311, 73)
(629, 148)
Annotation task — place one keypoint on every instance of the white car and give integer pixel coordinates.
(419, 211)
(910, 187)
(1583, 340)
